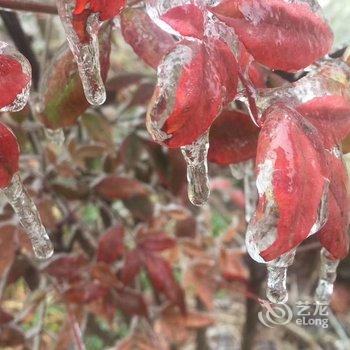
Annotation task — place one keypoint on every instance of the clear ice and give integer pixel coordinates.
(197, 170)
(331, 78)
(250, 190)
(277, 278)
(328, 275)
(22, 98)
(29, 217)
(87, 55)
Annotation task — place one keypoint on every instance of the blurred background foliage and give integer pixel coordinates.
(108, 173)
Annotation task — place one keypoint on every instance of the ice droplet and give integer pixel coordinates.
(55, 137)
(277, 278)
(29, 217)
(328, 275)
(197, 170)
(86, 55)
(20, 79)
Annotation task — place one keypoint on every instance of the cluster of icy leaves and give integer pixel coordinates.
(204, 47)
(15, 82)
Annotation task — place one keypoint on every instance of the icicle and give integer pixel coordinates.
(29, 217)
(245, 171)
(87, 54)
(277, 278)
(55, 137)
(250, 190)
(16, 74)
(197, 170)
(328, 274)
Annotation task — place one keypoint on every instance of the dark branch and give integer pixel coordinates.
(31, 6)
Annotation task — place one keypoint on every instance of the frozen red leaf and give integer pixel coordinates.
(61, 88)
(115, 187)
(111, 245)
(163, 280)
(334, 235)
(330, 115)
(279, 34)
(187, 20)
(195, 80)
(148, 41)
(107, 9)
(233, 138)
(292, 177)
(9, 155)
(13, 80)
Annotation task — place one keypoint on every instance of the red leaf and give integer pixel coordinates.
(330, 115)
(292, 173)
(84, 293)
(232, 267)
(279, 34)
(148, 41)
(5, 317)
(163, 280)
(111, 245)
(186, 19)
(334, 234)
(12, 80)
(9, 155)
(130, 302)
(114, 187)
(233, 138)
(194, 81)
(66, 267)
(156, 243)
(132, 266)
(106, 8)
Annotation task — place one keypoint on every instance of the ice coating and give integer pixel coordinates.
(86, 53)
(168, 76)
(277, 278)
(15, 79)
(195, 156)
(250, 189)
(29, 217)
(328, 275)
(156, 8)
(332, 78)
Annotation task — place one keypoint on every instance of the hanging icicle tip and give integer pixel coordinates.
(17, 196)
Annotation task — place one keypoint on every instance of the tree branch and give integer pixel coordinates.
(30, 5)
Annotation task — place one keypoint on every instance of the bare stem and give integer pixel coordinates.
(30, 5)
